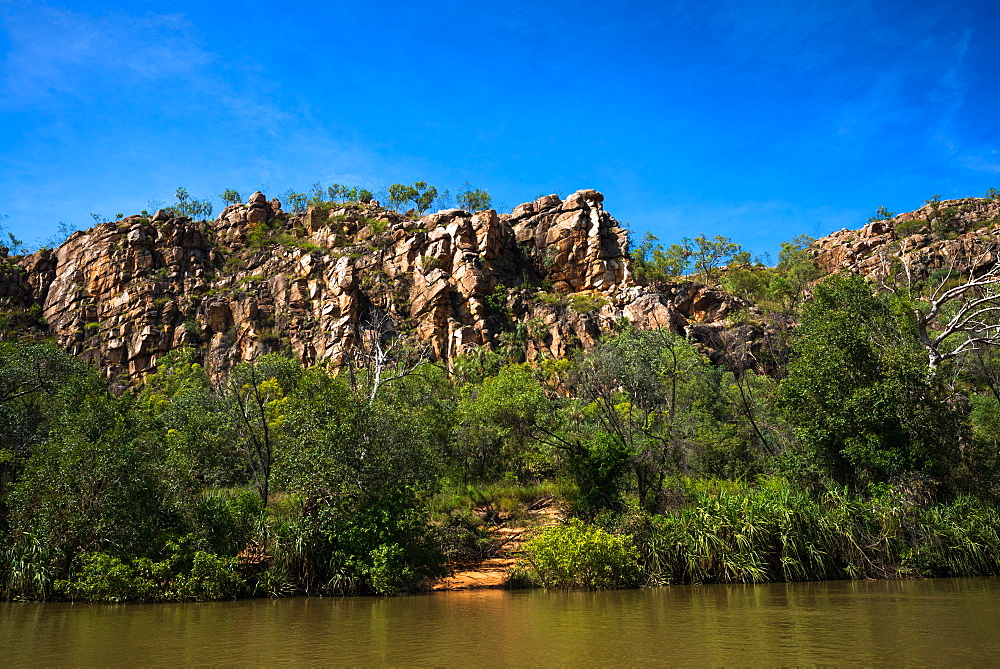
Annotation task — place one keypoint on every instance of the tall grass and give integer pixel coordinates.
(728, 532)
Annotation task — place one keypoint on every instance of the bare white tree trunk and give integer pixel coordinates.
(976, 319)
(380, 352)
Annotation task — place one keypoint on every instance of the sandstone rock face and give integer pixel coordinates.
(552, 276)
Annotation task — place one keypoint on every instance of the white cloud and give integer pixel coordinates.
(986, 161)
(60, 52)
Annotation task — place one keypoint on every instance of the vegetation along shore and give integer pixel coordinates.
(328, 396)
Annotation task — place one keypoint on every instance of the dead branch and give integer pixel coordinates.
(978, 305)
(380, 351)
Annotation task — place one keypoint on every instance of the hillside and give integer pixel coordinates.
(867, 445)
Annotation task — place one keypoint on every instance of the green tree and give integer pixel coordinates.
(317, 195)
(794, 272)
(654, 263)
(647, 391)
(365, 471)
(882, 214)
(14, 245)
(189, 206)
(255, 395)
(400, 194)
(473, 199)
(195, 420)
(31, 377)
(503, 423)
(426, 197)
(97, 483)
(708, 254)
(420, 194)
(296, 202)
(63, 232)
(230, 196)
(340, 193)
(857, 390)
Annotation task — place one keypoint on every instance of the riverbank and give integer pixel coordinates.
(507, 548)
(731, 532)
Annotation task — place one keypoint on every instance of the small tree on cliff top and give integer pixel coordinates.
(231, 196)
(474, 199)
(420, 194)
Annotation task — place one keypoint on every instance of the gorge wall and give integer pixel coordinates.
(551, 276)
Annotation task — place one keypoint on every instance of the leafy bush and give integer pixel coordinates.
(907, 228)
(186, 576)
(581, 556)
(598, 466)
(585, 303)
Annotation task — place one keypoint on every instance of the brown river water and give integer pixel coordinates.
(933, 622)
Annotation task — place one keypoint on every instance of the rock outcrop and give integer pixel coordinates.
(549, 277)
(953, 235)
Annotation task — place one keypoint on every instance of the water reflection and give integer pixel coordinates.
(944, 621)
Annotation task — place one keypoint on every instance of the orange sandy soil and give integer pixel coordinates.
(492, 572)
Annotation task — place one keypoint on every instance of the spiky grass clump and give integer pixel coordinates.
(728, 533)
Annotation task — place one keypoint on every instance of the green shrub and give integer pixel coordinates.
(428, 263)
(553, 299)
(225, 519)
(104, 578)
(598, 467)
(581, 556)
(376, 225)
(210, 577)
(274, 581)
(185, 576)
(585, 303)
(907, 228)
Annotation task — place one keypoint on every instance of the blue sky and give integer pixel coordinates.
(757, 121)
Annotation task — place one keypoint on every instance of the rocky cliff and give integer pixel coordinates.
(960, 236)
(551, 276)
